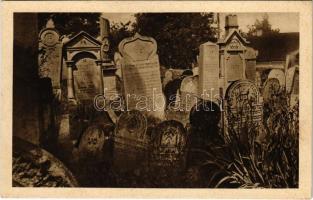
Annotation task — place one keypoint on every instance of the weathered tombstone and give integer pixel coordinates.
(168, 76)
(279, 75)
(141, 75)
(250, 57)
(189, 92)
(271, 88)
(50, 55)
(117, 61)
(130, 140)
(110, 80)
(84, 77)
(243, 105)
(92, 142)
(195, 71)
(169, 145)
(209, 70)
(87, 80)
(292, 84)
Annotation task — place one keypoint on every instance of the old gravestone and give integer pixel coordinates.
(84, 77)
(279, 75)
(292, 84)
(141, 75)
(250, 59)
(50, 56)
(110, 80)
(243, 105)
(271, 88)
(208, 70)
(130, 140)
(189, 92)
(169, 145)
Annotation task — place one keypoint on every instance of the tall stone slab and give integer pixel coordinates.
(250, 58)
(141, 75)
(208, 70)
(50, 55)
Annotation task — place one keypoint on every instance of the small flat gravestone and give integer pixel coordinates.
(141, 75)
(169, 144)
(271, 88)
(130, 140)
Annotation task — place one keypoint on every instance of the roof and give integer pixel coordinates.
(81, 35)
(230, 35)
(274, 47)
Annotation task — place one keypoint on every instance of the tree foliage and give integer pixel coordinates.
(262, 27)
(178, 35)
(72, 23)
(118, 31)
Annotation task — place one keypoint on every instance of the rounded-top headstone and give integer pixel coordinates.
(92, 141)
(271, 88)
(279, 75)
(169, 143)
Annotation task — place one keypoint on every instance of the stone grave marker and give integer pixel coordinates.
(92, 142)
(208, 69)
(168, 76)
(292, 84)
(130, 140)
(243, 104)
(279, 75)
(189, 92)
(250, 58)
(50, 55)
(169, 144)
(270, 89)
(141, 75)
(84, 73)
(87, 80)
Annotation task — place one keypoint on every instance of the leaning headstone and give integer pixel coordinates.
(279, 75)
(243, 105)
(141, 75)
(50, 55)
(208, 70)
(130, 140)
(169, 145)
(271, 89)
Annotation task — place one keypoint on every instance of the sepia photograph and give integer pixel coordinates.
(156, 100)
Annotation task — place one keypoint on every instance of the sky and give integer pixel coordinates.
(286, 22)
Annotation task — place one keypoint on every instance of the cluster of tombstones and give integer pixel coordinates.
(162, 136)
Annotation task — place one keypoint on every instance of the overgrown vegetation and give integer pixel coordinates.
(264, 155)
